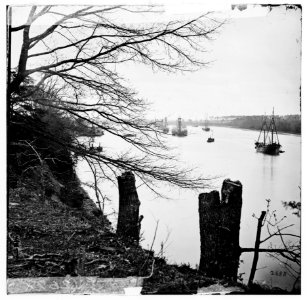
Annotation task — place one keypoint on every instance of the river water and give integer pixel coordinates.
(233, 156)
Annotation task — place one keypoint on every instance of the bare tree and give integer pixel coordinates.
(289, 252)
(71, 65)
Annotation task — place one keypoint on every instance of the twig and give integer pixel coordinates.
(95, 261)
(153, 240)
(152, 269)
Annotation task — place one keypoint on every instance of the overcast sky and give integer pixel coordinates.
(255, 66)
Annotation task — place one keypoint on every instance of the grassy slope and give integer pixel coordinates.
(48, 238)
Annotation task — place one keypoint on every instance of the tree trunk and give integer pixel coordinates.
(9, 50)
(22, 64)
(256, 250)
(128, 215)
(219, 222)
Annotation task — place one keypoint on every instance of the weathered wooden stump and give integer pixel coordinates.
(219, 221)
(128, 225)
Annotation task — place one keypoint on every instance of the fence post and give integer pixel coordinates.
(219, 221)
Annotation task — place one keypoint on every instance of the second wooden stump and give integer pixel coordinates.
(219, 230)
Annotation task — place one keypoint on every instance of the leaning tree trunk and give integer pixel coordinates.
(219, 230)
(257, 245)
(128, 215)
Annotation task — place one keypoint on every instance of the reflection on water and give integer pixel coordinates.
(268, 165)
(233, 156)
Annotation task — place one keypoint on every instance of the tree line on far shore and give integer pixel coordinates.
(287, 124)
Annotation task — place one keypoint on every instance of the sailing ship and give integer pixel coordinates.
(268, 142)
(162, 125)
(211, 138)
(206, 128)
(180, 129)
(165, 129)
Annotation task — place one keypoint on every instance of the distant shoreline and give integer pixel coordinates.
(234, 127)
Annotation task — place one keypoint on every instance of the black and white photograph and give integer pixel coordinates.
(153, 148)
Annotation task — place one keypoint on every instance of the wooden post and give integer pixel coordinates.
(256, 250)
(128, 214)
(219, 221)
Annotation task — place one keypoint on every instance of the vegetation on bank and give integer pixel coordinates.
(285, 124)
(50, 238)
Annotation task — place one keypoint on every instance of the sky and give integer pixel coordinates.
(255, 65)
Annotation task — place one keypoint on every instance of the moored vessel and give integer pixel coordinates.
(206, 128)
(162, 125)
(268, 142)
(180, 129)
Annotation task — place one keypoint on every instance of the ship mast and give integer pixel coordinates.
(262, 130)
(179, 124)
(264, 134)
(273, 126)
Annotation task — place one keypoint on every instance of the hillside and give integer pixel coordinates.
(48, 238)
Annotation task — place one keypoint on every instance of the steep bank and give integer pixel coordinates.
(55, 230)
(50, 238)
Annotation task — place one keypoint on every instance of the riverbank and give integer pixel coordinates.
(48, 238)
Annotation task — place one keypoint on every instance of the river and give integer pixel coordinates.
(233, 156)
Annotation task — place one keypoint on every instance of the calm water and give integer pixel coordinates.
(233, 156)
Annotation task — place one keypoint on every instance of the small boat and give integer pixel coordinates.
(180, 129)
(165, 130)
(268, 142)
(210, 139)
(99, 148)
(129, 135)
